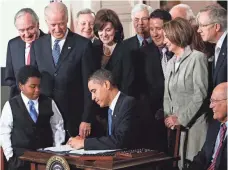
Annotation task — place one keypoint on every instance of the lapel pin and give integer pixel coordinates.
(69, 48)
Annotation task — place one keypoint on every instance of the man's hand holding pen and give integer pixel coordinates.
(76, 142)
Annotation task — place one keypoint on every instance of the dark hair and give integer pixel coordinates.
(179, 31)
(161, 14)
(26, 72)
(107, 15)
(102, 75)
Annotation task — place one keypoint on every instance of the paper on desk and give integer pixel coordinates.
(70, 150)
(82, 151)
(61, 148)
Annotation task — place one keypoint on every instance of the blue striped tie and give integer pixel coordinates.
(32, 111)
(110, 121)
(56, 51)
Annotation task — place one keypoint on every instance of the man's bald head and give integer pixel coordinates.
(182, 11)
(221, 89)
(54, 8)
(219, 102)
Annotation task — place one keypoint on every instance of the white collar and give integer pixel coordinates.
(114, 101)
(64, 38)
(220, 41)
(26, 99)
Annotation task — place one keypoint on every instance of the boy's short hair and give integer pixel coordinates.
(26, 72)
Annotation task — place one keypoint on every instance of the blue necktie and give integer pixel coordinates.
(32, 111)
(109, 121)
(56, 51)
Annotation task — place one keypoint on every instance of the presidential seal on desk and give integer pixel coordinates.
(57, 163)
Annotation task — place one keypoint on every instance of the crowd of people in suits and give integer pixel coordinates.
(111, 93)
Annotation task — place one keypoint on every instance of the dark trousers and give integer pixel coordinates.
(16, 164)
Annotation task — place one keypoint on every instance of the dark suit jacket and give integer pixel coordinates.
(123, 122)
(120, 64)
(203, 159)
(220, 71)
(14, 61)
(149, 90)
(67, 83)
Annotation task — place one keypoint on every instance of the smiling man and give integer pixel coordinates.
(85, 23)
(213, 155)
(121, 117)
(65, 60)
(18, 52)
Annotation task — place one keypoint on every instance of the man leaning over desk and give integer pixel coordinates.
(121, 116)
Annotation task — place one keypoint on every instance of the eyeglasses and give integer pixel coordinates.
(216, 101)
(141, 19)
(205, 25)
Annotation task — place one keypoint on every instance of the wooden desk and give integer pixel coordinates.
(38, 161)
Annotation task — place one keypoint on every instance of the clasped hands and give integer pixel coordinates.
(171, 121)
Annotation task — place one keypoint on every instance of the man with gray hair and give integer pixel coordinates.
(65, 61)
(140, 15)
(18, 52)
(85, 23)
(212, 22)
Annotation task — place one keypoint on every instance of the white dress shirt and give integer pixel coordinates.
(6, 125)
(219, 46)
(61, 42)
(113, 104)
(27, 49)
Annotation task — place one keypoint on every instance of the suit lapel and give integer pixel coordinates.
(48, 52)
(221, 58)
(136, 43)
(116, 112)
(213, 138)
(21, 53)
(67, 47)
(222, 150)
(187, 52)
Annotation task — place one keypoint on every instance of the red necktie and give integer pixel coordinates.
(28, 58)
(222, 135)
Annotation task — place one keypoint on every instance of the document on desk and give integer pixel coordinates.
(69, 150)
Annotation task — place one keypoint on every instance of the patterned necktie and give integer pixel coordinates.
(144, 43)
(110, 121)
(56, 51)
(28, 61)
(222, 135)
(32, 111)
(164, 60)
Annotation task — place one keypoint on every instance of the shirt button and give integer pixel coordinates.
(55, 74)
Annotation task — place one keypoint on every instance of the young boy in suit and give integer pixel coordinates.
(29, 120)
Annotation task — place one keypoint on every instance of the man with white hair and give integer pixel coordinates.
(140, 17)
(26, 22)
(212, 22)
(65, 61)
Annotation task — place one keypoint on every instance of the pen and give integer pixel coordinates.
(68, 133)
